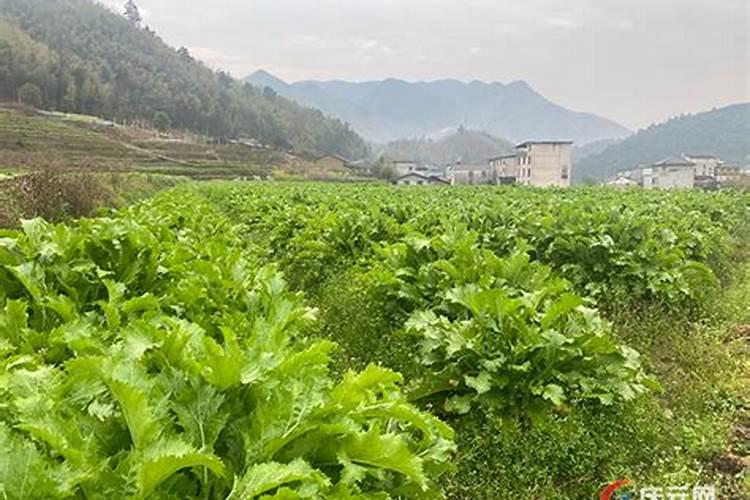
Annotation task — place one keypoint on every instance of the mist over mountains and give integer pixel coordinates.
(394, 109)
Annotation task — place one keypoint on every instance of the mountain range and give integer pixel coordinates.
(392, 109)
(722, 132)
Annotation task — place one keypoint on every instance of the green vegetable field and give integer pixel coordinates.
(302, 341)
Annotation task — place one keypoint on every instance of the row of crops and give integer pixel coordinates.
(186, 347)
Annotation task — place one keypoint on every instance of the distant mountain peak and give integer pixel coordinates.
(263, 78)
(521, 85)
(393, 108)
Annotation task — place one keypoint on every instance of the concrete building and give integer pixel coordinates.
(535, 163)
(505, 169)
(705, 165)
(403, 167)
(470, 175)
(669, 174)
(727, 175)
(544, 163)
(418, 179)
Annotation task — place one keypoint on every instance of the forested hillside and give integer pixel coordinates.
(723, 132)
(469, 146)
(77, 56)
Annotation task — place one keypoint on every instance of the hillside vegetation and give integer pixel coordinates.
(723, 132)
(469, 146)
(77, 56)
(31, 139)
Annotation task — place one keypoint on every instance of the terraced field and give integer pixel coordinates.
(30, 139)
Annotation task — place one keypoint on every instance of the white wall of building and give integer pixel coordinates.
(705, 166)
(545, 164)
(669, 177)
(404, 167)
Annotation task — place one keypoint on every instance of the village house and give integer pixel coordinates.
(676, 173)
(705, 165)
(419, 179)
(360, 167)
(728, 175)
(622, 182)
(505, 169)
(687, 171)
(544, 163)
(403, 167)
(470, 175)
(331, 162)
(535, 163)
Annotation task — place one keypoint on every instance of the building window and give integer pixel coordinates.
(420, 182)
(565, 172)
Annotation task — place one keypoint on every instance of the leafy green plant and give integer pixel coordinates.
(146, 355)
(621, 249)
(503, 333)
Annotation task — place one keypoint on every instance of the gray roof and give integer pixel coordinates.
(702, 157)
(333, 155)
(425, 177)
(503, 157)
(674, 162)
(531, 143)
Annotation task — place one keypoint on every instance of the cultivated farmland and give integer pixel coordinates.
(259, 340)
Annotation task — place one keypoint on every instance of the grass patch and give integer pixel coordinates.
(61, 195)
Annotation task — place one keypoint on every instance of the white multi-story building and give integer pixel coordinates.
(705, 165)
(504, 169)
(536, 163)
(669, 174)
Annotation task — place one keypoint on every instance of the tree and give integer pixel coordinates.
(184, 53)
(31, 95)
(162, 121)
(133, 14)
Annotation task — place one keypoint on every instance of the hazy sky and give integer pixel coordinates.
(635, 61)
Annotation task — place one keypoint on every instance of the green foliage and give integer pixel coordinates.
(503, 333)
(31, 95)
(88, 60)
(147, 355)
(158, 352)
(630, 255)
(609, 245)
(722, 132)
